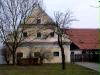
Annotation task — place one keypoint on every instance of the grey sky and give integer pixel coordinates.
(88, 16)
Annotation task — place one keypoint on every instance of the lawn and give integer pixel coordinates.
(47, 69)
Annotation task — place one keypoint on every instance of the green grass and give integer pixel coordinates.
(47, 69)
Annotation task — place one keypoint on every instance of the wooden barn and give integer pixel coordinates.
(85, 45)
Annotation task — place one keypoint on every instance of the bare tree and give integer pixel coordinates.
(12, 14)
(63, 21)
(45, 54)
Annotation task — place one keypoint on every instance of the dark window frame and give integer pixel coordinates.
(36, 54)
(83, 52)
(25, 34)
(52, 34)
(56, 54)
(72, 53)
(38, 34)
(19, 54)
(38, 21)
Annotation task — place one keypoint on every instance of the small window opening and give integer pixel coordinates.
(25, 34)
(39, 34)
(56, 53)
(38, 21)
(52, 34)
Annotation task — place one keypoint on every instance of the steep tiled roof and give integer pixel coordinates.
(84, 38)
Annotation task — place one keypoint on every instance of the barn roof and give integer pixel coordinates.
(84, 38)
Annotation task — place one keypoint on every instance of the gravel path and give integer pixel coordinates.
(94, 66)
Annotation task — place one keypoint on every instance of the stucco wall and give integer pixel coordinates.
(52, 48)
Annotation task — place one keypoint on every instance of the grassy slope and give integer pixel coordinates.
(53, 69)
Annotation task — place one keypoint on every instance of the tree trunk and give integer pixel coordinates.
(7, 62)
(13, 59)
(63, 58)
(41, 60)
(62, 51)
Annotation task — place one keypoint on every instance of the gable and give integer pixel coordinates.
(38, 13)
(46, 26)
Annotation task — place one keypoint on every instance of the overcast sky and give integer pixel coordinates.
(83, 10)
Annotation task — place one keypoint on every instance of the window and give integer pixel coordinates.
(72, 53)
(56, 53)
(38, 34)
(36, 54)
(83, 52)
(38, 21)
(52, 34)
(19, 54)
(25, 34)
